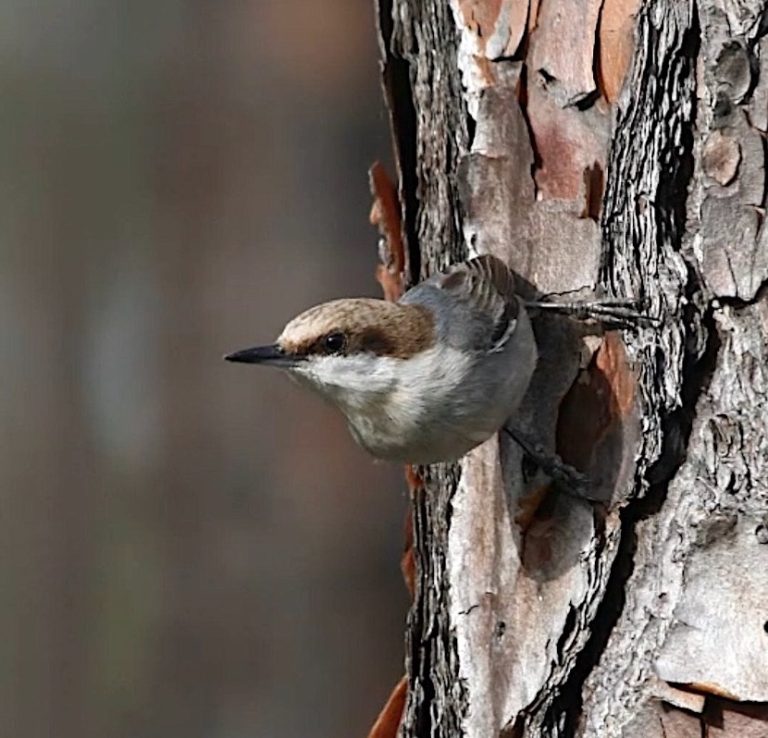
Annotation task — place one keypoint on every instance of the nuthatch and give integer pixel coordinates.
(421, 380)
(427, 378)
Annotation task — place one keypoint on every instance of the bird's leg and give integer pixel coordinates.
(550, 463)
(612, 313)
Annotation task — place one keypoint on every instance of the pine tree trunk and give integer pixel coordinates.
(614, 146)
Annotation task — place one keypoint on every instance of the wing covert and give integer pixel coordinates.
(487, 285)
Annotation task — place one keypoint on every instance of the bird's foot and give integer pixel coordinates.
(623, 314)
(571, 479)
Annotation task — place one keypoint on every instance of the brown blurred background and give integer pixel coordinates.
(189, 548)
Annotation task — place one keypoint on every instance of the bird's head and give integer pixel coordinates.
(351, 351)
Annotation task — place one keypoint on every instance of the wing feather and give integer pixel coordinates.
(487, 285)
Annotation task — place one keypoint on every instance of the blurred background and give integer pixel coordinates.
(189, 548)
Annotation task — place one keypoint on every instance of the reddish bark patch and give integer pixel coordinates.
(676, 723)
(480, 16)
(593, 414)
(499, 25)
(615, 45)
(388, 722)
(385, 215)
(486, 69)
(528, 506)
(713, 689)
(566, 144)
(533, 15)
(562, 49)
(611, 360)
(557, 178)
(408, 560)
(726, 719)
(538, 540)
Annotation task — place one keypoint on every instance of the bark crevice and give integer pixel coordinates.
(398, 93)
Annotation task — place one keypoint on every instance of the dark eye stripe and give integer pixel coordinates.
(370, 341)
(375, 342)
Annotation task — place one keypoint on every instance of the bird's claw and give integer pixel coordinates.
(572, 480)
(614, 313)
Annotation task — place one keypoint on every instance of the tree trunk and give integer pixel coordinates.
(615, 146)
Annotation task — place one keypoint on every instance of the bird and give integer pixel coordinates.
(422, 380)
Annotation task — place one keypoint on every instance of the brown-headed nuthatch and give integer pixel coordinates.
(421, 380)
(429, 377)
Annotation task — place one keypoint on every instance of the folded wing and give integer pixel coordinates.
(487, 286)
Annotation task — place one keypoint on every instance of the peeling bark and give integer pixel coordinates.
(618, 147)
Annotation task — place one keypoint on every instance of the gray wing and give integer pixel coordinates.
(477, 300)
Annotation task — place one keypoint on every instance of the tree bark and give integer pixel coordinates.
(615, 146)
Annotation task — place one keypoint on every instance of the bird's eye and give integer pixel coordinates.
(334, 343)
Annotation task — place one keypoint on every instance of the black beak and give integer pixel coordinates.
(272, 355)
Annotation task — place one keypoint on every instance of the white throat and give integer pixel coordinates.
(354, 383)
(385, 389)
